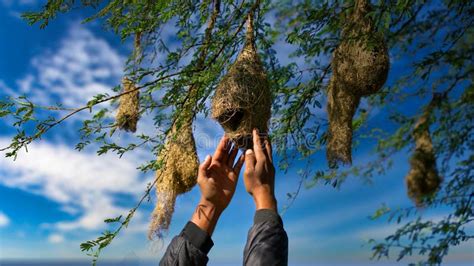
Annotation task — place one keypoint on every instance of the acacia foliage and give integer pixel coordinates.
(431, 42)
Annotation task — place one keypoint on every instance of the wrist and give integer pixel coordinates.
(265, 200)
(206, 216)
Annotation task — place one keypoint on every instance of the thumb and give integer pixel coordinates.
(203, 167)
(250, 159)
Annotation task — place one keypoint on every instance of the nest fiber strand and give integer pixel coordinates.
(177, 175)
(242, 100)
(422, 180)
(129, 108)
(360, 67)
(162, 214)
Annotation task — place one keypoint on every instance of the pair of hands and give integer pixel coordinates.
(218, 176)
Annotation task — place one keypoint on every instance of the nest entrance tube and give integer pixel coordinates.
(341, 108)
(242, 100)
(360, 67)
(231, 119)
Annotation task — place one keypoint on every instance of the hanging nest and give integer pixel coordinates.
(361, 61)
(128, 112)
(242, 100)
(176, 176)
(422, 180)
(360, 67)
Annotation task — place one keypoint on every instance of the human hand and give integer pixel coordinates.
(217, 179)
(259, 174)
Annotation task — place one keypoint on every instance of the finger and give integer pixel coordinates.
(238, 164)
(204, 166)
(268, 148)
(250, 159)
(222, 151)
(233, 152)
(257, 146)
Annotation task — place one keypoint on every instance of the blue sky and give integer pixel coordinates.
(53, 197)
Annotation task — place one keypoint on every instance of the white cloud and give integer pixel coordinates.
(82, 183)
(19, 2)
(381, 231)
(55, 238)
(327, 220)
(17, 7)
(5, 89)
(207, 134)
(82, 66)
(377, 232)
(4, 220)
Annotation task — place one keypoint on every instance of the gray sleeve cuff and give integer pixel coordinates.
(267, 215)
(199, 238)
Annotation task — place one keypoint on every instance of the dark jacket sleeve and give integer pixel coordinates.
(190, 247)
(267, 241)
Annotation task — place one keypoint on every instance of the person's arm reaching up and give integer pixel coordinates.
(217, 179)
(267, 241)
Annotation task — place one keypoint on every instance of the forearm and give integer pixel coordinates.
(206, 216)
(264, 199)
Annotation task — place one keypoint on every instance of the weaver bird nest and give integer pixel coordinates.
(128, 112)
(360, 67)
(242, 100)
(422, 180)
(177, 175)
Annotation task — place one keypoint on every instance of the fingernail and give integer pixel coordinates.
(207, 157)
(249, 151)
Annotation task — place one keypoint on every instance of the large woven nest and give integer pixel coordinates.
(177, 175)
(360, 66)
(242, 100)
(361, 61)
(128, 112)
(423, 179)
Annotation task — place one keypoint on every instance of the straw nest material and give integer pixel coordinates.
(242, 100)
(360, 66)
(361, 61)
(177, 175)
(422, 180)
(129, 107)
